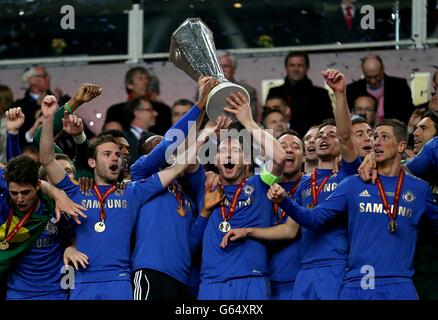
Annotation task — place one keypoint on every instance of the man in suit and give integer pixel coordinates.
(36, 81)
(343, 24)
(137, 86)
(393, 94)
(141, 116)
(310, 105)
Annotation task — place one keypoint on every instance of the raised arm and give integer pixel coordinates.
(189, 158)
(47, 155)
(14, 121)
(336, 204)
(85, 93)
(336, 81)
(238, 105)
(151, 163)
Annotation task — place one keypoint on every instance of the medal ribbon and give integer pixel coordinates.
(233, 202)
(175, 190)
(316, 190)
(103, 198)
(392, 214)
(291, 194)
(21, 222)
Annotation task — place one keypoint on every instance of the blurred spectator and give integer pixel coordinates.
(343, 24)
(141, 116)
(365, 105)
(137, 86)
(6, 99)
(281, 104)
(228, 64)
(154, 88)
(432, 104)
(393, 94)
(36, 81)
(179, 108)
(274, 120)
(163, 121)
(31, 151)
(310, 105)
(112, 125)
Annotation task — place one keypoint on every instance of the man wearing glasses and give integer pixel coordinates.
(141, 116)
(36, 81)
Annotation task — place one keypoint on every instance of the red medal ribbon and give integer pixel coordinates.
(392, 214)
(233, 202)
(174, 188)
(316, 190)
(21, 222)
(291, 194)
(103, 198)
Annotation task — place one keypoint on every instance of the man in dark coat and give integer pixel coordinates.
(310, 105)
(393, 94)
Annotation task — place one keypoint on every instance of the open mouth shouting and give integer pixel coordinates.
(114, 168)
(323, 146)
(367, 149)
(310, 150)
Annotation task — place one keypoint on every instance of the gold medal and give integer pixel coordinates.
(310, 206)
(181, 211)
(99, 226)
(224, 226)
(392, 226)
(4, 245)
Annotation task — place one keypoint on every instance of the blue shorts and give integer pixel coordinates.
(108, 290)
(404, 290)
(250, 288)
(28, 295)
(282, 290)
(319, 283)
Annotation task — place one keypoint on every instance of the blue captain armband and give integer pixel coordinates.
(268, 177)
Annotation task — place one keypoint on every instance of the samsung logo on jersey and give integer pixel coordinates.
(109, 203)
(329, 187)
(378, 208)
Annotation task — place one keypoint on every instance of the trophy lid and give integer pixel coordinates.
(193, 51)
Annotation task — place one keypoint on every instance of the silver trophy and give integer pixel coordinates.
(193, 51)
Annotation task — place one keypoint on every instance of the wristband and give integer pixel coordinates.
(268, 177)
(67, 107)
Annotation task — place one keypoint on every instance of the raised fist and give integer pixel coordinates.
(334, 79)
(14, 120)
(72, 124)
(49, 105)
(87, 92)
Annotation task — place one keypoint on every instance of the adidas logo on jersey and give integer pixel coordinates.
(365, 193)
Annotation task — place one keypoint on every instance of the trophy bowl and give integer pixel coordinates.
(216, 100)
(193, 51)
